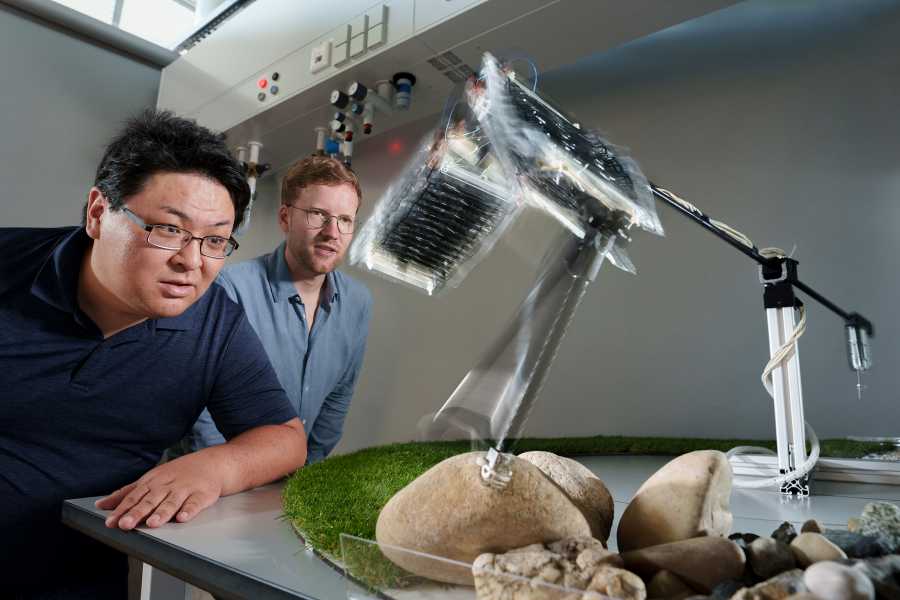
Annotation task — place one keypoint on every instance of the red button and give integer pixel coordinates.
(263, 84)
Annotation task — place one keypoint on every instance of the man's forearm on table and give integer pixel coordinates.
(259, 456)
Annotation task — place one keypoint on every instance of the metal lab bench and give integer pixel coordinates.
(240, 547)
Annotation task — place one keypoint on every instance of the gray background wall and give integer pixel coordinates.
(776, 117)
(62, 99)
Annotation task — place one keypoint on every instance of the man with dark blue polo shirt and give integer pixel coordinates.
(312, 319)
(112, 342)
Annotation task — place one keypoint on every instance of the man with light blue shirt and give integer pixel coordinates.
(312, 319)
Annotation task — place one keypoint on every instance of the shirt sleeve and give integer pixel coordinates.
(329, 425)
(246, 392)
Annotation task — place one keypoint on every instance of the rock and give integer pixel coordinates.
(491, 583)
(853, 524)
(812, 526)
(586, 552)
(701, 562)
(666, 584)
(769, 557)
(884, 572)
(856, 545)
(777, 588)
(832, 581)
(802, 596)
(726, 589)
(584, 489)
(449, 512)
(882, 520)
(617, 583)
(809, 548)
(521, 574)
(688, 497)
(743, 539)
(785, 533)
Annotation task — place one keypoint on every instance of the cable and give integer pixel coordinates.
(777, 359)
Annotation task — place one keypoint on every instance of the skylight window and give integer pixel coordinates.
(165, 23)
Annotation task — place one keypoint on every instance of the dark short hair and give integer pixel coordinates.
(317, 170)
(159, 142)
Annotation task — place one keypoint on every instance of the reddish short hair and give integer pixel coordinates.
(316, 170)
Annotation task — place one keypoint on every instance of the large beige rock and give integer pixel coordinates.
(686, 498)
(700, 562)
(585, 489)
(449, 512)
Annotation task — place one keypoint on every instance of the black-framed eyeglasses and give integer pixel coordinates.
(317, 219)
(169, 237)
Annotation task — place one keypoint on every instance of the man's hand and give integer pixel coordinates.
(179, 489)
(187, 485)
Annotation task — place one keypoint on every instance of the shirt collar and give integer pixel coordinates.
(57, 281)
(281, 282)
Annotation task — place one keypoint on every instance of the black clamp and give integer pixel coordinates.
(254, 170)
(779, 275)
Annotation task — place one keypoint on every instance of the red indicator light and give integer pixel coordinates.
(395, 147)
(262, 83)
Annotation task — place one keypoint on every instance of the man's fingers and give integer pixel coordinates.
(140, 510)
(166, 510)
(125, 504)
(112, 501)
(193, 505)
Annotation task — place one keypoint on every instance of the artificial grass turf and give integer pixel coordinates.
(345, 493)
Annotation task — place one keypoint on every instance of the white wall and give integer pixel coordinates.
(776, 117)
(61, 101)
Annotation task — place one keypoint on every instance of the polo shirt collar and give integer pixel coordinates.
(281, 282)
(56, 283)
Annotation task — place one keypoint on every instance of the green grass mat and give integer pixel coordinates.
(344, 494)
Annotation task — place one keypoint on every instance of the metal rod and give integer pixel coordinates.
(704, 221)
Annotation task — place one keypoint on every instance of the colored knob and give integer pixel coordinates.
(357, 90)
(339, 99)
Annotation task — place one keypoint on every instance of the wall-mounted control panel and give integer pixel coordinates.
(266, 73)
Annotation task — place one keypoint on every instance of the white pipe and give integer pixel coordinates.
(321, 132)
(255, 147)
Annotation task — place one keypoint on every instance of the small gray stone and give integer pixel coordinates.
(812, 526)
(856, 545)
(726, 589)
(769, 557)
(882, 520)
(832, 581)
(743, 539)
(809, 548)
(884, 573)
(785, 533)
